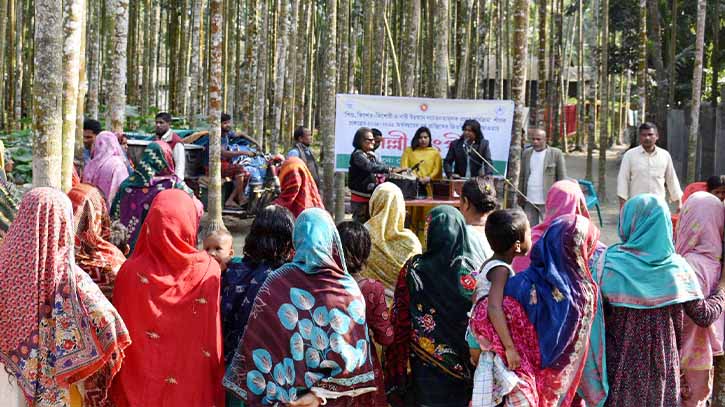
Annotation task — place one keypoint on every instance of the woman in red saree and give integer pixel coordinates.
(57, 328)
(168, 292)
(299, 190)
(94, 253)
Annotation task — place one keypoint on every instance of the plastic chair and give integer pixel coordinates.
(590, 194)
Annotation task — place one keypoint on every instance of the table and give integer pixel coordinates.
(430, 202)
(425, 205)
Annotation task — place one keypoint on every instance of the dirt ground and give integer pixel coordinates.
(576, 168)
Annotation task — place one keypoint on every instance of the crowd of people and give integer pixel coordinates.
(108, 299)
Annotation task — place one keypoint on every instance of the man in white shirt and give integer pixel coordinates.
(648, 169)
(164, 133)
(541, 167)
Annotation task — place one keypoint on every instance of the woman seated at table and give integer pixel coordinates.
(425, 162)
(366, 172)
(424, 159)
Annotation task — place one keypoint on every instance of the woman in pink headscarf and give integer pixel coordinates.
(564, 198)
(699, 241)
(107, 168)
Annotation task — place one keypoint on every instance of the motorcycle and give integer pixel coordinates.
(260, 191)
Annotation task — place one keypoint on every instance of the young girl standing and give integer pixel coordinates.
(509, 235)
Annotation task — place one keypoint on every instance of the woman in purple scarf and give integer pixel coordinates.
(154, 173)
(107, 168)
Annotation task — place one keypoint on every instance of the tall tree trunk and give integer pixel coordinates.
(580, 76)
(715, 54)
(591, 117)
(3, 25)
(462, 86)
(604, 115)
(672, 55)
(93, 64)
(18, 83)
(9, 38)
(131, 51)
(660, 107)
(73, 14)
(82, 85)
(327, 107)
(642, 71)
(280, 68)
(518, 92)
(410, 54)
(262, 53)
(541, 97)
(696, 91)
(482, 50)
(440, 44)
(195, 61)
(379, 50)
(214, 219)
(117, 86)
(290, 89)
(48, 94)
(343, 45)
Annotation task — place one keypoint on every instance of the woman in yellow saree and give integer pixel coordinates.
(425, 160)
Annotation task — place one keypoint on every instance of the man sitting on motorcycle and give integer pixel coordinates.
(237, 157)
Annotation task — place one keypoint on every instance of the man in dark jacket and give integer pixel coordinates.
(462, 160)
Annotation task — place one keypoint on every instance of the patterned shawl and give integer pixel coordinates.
(168, 293)
(435, 281)
(564, 198)
(307, 328)
(299, 190)
(57, 327)
(107, 167)
(8, 208)
(642, 272)
(94, 253)
(699, 241)
(559, 298)
(393, 244)
(154, 173)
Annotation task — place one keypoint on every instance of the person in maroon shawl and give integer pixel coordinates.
(306, 341)
(299, 190)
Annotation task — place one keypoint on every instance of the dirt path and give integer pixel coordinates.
(576, 168)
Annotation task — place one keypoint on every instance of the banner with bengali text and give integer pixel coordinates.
(399, 117)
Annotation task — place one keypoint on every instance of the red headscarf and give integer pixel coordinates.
(168, 291)
(57, 327)
(94, 253)
(564, 198)
(299, 190)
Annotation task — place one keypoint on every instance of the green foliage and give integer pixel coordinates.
(19, 145)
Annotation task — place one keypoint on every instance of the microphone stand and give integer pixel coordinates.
(509, 183)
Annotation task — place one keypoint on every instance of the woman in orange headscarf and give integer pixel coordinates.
(168, 292)
(299, 190)
(94, 253)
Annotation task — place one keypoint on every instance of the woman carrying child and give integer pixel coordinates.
(538, 321)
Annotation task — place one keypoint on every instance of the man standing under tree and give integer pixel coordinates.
(648, 169)
(541, 167)
(164, 133)
(91, 128)
(301, 150)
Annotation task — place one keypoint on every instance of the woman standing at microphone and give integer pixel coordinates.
(460, 161)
